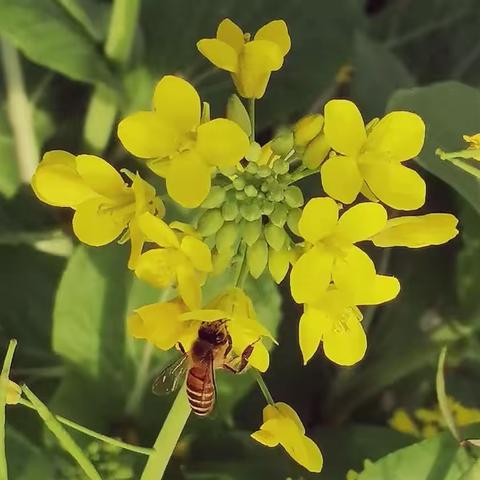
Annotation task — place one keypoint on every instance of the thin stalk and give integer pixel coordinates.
(242, 268)
(263, 386)
(7, 363)
(251, 114)
(93, 434)
(103, 106)
(168, 437)
(65, 440)
(19, 111)
(301, 173)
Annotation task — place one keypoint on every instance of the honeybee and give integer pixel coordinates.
(211, 350)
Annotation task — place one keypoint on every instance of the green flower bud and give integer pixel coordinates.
(250, 211)
(267, 207)
(252, 231)
(276, 193)
(254, 152)
(257, 257)
(316, 152)
(240, 195)
(278, 263)
(281, 166)
(275, 236)
(264, 171)
(279, 215)
(252, 168)
(210, 222)
(238, 183)
(215, 197)
(230, 209)
(227, 236)
(307, 128)
(264, 187)
(294, 197)
(237, 112)
(205, 112)
(250, 191)
(283, 142)
(292, 220)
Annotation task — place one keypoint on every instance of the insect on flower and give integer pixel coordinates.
(212, 349)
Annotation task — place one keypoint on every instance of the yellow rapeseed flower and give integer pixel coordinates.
(177, 145)
(335, 320)
(281, 425)
(104, 205)
(249, 61)
(473, 141)
(417, 232)
(167, 324)
(373, 157)
(330, 251)
(182, 259)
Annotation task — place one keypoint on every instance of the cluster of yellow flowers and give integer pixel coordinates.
(253, 217)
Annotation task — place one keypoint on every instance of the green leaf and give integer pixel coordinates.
(473, 473)
(436, 458)
(450, 110)
(47, 35)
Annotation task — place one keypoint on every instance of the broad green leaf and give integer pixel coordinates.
(473, 473)
(436, 458)
(450, 110)
(47, 35)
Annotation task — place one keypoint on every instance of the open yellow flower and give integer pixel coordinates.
(177, 145)
(281, 425)
(473, 141)
(249, 61)
(417, 232)
(167, 324)
(373, 158)
(104, 205)
(182, 259)
(335, 320)
(330, 252)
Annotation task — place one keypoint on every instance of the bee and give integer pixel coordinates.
(211, 350)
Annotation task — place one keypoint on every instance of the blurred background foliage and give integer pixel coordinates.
(67, 304)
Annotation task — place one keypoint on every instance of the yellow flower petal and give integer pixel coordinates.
(14, 392)
(265, 438)
(276, 31)
(221, 142)
(416, 232)
(307, 128)
(316, 152)
(144, 194)
(311, 275)
(100, 176)
(203, 315)
(278, 263)
(311, 456)
(341, 178)
(288, 412)
(311, 328)
(177, 103)
(399, 136)
(220, 53)
(344, 127)
(188, 287)
(381, 290)
(318, 220)
(137, 239)
(197, 252)
(96, 223)
(259, 359)
(231, 33)
(188, 180)
(57, 182)
(156, 230)
(354, 273)
(147, 135)
(362, 221)
(395, 185)
(157, 267)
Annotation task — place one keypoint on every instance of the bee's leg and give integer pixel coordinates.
(229, 345)
(181, 348)
(243, 360)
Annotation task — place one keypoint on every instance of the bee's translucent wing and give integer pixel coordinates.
(171, 377)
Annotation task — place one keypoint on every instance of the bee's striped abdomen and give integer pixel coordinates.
(200, 390)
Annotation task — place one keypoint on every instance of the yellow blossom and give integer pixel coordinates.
(330, 252)
(403, 422)
(417, 232)
(13, 393)
(335, 320)
(249, 61)
(104, 205)
(373, 157)
(473, 141)
(177, 145)
(281, 425)
(182, 259)
(167, 324)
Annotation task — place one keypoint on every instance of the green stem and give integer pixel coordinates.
(4, 377)
(263, 386)
(103, 106)
(65, 440)
(456, 159)
(93, 434)
(19, 112)
(241, 272)
(251, 113)
(301, 173)
(167, 438)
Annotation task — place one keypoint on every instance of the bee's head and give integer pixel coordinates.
(213, 332)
